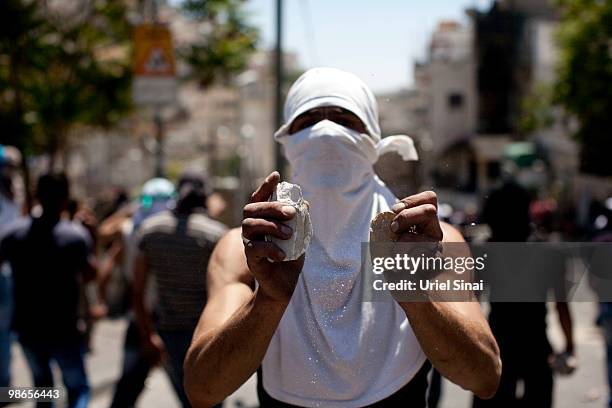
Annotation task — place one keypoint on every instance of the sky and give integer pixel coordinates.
(378, 40)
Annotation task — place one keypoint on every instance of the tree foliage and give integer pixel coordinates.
(584, 82)
(537, 111)
(225, 41)
(64, 64)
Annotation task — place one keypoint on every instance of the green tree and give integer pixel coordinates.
(67, 65)
(537, 111)
(62, 68)
(584, 82)
(20, 30)
(225, 43)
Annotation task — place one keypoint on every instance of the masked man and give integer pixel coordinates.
(304, 324)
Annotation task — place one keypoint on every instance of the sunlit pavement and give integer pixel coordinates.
(585, 389)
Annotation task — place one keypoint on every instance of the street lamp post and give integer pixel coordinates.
(278, 96)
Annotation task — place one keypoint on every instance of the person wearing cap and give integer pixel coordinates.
(157, 195)
(304, 325)
(174, 248)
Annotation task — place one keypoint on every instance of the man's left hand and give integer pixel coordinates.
(417, 218)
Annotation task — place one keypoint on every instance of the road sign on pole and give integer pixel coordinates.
(154, 76)
(154, 66)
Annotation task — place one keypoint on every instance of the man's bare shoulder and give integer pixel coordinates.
(451, 234)
(228, 262)
(231, 243)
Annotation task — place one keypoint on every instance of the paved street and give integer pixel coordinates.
(585, 389)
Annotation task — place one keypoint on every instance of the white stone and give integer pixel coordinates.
(296, 246)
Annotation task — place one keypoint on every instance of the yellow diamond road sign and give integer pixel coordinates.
(154, 65)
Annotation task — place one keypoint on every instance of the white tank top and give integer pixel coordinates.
(332, 349)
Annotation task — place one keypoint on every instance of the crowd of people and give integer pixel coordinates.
(83, 270)
(214, 305)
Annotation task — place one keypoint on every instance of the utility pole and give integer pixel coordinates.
(154, 85)
(159, 144)
(158, 119)
(279, 76)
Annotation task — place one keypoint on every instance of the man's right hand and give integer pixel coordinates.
(277, 280)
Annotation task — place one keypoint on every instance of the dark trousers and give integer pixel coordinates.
(526, 366)
(70, 359)
(435, 389)
(177, 343)
(136, 366)
(135, 370)
(605, 319)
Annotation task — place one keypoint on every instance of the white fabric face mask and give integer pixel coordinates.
(330, 158)
(333, 165)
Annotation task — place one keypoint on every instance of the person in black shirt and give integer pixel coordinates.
(520, 327)
(50, 259)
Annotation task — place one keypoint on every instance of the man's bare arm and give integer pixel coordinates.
(220, 358)
(151, 341)
(457, 339)
(105, 271)
(455, 336)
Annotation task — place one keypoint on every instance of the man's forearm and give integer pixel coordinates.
(221, 359)
(460, 347)
(144, 322)
(105, 271)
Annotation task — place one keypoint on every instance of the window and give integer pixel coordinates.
(455, 100)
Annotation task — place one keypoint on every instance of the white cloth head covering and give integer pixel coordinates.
(319, 87)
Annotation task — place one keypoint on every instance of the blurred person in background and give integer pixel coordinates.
(520, 327)
(10, 210)
(601, 276)
(110, 201)
(174, 248)
(92, 301)
(604, 319)
(79, 212)
(119, 232)
(50, 259)
(113, 235)
(544, 216)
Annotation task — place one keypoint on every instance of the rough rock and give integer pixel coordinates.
(380, 228)
(296, 246)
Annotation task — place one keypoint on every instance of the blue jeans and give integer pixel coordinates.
(70, 359)
(605, 318)
(6, 313)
